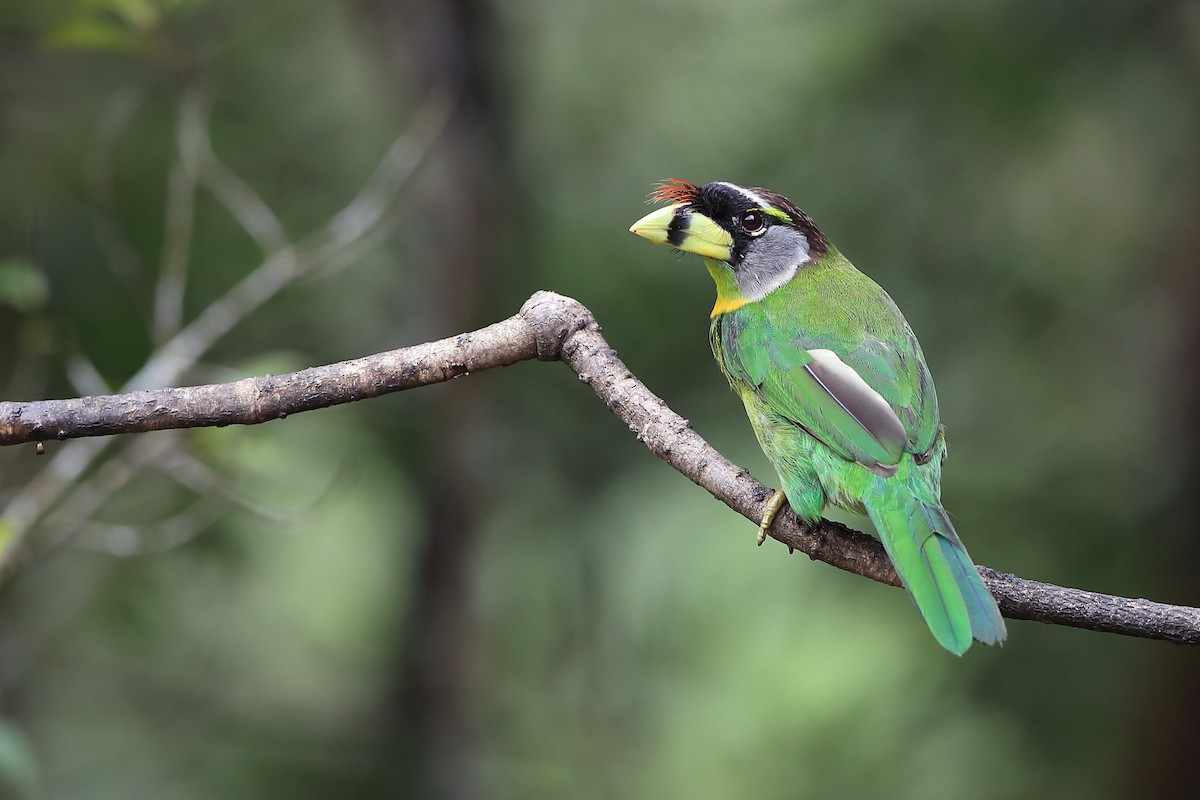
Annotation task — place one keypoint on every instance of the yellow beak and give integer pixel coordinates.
(689, 231)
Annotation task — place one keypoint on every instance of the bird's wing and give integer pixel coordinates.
(898, 372)
(858, 401)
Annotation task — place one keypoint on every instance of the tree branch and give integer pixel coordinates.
(551, 327)
(369, 216)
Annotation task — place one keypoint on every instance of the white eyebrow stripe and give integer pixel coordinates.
(758, 201)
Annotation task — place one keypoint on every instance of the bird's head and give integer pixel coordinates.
(754, 240)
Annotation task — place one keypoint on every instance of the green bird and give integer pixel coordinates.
(835, 385)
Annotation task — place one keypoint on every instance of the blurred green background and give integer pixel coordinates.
(490, 589)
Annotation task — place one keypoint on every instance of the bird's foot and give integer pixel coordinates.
(773, 505)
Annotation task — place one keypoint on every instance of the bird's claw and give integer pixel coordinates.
(773, 505)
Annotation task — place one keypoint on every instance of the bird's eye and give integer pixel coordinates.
(753, 221)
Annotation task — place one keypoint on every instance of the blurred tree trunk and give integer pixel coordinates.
(1165, 731)
(430, 741)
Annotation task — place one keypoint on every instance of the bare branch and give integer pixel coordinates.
(67, 518)
(181, 218)
(84, 376)
(239, 199)
(330, 247)
(254, 400)
(121, 257)
(551, 327)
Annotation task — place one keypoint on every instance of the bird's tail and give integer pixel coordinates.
(935, 569)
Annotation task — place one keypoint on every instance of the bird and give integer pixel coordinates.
(835, 385)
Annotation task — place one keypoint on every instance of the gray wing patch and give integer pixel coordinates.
(860, 401)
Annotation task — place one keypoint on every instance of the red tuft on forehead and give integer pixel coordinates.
(676, 190)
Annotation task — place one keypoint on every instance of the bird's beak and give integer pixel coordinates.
(679, 227)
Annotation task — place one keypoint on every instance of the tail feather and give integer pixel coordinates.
(936, 571)
(987, 625)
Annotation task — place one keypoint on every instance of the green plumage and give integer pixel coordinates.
(821, 452)
(835, 385)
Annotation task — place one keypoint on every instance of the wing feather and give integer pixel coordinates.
(865, 402)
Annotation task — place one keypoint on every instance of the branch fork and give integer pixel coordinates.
(551, 327)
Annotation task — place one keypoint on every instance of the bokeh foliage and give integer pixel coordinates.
(1023, 178)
